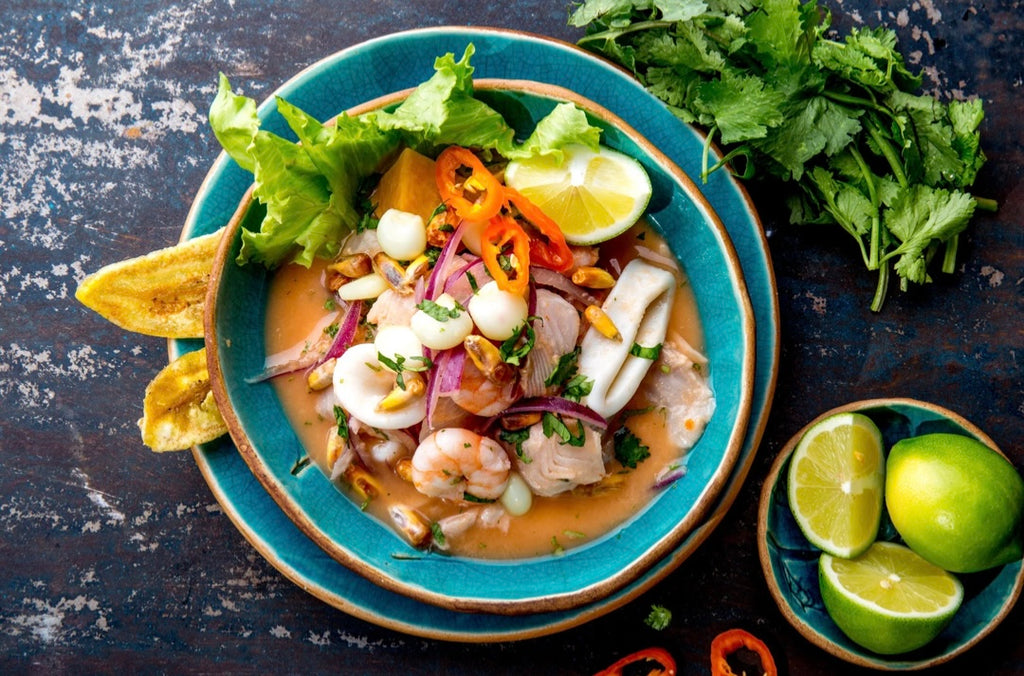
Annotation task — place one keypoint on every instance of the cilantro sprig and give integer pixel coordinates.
(839, 119)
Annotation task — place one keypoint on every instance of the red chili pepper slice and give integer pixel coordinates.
(477, 196)
(505, 249)
(656, 655)
(549, 249)
(734, 640)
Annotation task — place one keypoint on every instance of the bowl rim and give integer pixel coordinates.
(871, 660)
(544, 602)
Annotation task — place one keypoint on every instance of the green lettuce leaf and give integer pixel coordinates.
(311, 188)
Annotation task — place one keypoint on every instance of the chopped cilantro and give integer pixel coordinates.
(440, 312)
(553, 425)
(564, 369)
(330, 305)
(400, 364)
(342, 421)
(658, 618)
(515, 348)
(577, 388)
(516, 438)
(628, 449)
(332, 330)
(437, 533)
(652, 353)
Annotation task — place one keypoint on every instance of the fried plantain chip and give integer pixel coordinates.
(179, 411)
(158, 294)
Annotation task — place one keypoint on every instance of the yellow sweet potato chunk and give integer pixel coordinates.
(408, 185)
(179, 411)
(159, 294)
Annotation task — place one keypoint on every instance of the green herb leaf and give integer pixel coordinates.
(652, 353)
(628, 449)
(515, 438)
(515, 348)
(439, 312)
(553, 425)
(838, 117)
(658, 618)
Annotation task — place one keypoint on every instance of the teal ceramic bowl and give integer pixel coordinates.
(260, 431)
(790, 562)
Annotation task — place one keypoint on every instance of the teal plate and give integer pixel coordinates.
(359, 73)
(790, 562)
(235, 330)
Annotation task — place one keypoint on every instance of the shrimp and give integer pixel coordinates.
(457, 464)
(481, 396)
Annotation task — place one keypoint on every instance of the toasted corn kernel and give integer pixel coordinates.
(416, 269)
(602, 322)
(593, 278)
(518, 421)
(335, 446)
(403, 468)
(410, 524)
(388, 268)
(487, 358)
(321, 377)
(353, 266)
(363, 484)
(400, 396)
(334, 281)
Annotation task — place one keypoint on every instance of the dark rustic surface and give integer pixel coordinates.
(116, 559)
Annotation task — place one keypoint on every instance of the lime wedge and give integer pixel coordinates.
(836, 484)
(592, 196)
(888, 599)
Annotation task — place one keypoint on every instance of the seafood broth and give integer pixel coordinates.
(301, 311)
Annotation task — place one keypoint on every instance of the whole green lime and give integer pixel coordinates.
(955, 501)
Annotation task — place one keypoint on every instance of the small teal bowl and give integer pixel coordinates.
(235, 351)
(790, 562)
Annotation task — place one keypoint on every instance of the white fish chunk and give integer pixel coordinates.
(556, 333)
(551, 467)
(681, 390)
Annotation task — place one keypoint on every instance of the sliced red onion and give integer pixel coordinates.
(445, 378)
(434, 283)
(559, 405)
(474, 266)
(669, 476)
(346, 332)
(556, 280)
(653, 256)
(291, 366)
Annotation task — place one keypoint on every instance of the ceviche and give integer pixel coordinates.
(454, 348)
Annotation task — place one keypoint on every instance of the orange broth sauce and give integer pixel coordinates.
(296, 314)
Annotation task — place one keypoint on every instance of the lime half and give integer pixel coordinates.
(836, 483)
(888, 599)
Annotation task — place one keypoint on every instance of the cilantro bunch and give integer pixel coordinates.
(839, 119)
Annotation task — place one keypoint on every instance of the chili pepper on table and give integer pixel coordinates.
(548, 247)
(505, 249)
(657, 655)
(736, 643)
(476, 196)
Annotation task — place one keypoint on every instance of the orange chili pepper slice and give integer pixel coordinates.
(549, 249)
(656, 655)
(505, 249)
(476, 195)
(734, 640)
